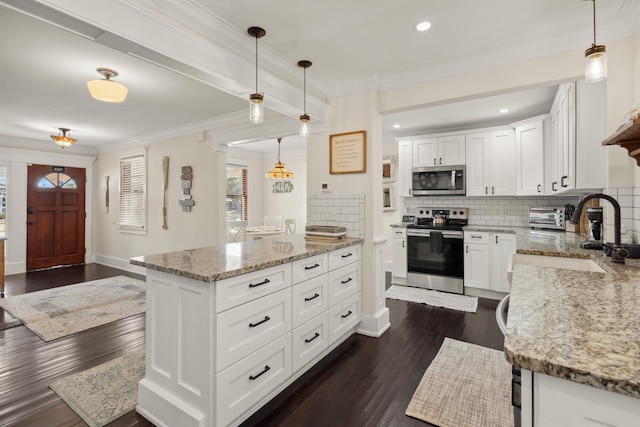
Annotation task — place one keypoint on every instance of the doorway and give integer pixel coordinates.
(55, 216)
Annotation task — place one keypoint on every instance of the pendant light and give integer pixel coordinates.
(256, 108)
(304, 119)
(278, 171)
(62, 139)
(595, 66)
(107, 90)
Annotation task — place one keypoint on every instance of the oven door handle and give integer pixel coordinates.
(445, 234)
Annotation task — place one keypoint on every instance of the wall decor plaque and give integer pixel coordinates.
(347, 152)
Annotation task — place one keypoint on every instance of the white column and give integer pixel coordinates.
(219, 190)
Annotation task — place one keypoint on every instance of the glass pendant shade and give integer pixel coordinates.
(62, 139)
(304, 125)
(256, 108)
(595, 64)
(107, 90)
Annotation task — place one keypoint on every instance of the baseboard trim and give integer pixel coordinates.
(119, 264)
(374, 326)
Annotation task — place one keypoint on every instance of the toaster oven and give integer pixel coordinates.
(547, 218)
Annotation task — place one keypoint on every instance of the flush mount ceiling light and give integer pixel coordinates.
(304, 119)
(503, 110)
(256, 108)
(423, 26)
(278, 171)
(595, 66)
(107, 90)
(62, 139)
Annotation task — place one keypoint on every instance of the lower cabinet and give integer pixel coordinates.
(486, 259)
(217, 352)
(558, 402)
(399, 255)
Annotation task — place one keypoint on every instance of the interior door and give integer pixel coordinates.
(55, 216)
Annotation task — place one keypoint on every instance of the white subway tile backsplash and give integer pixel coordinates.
(625, 191)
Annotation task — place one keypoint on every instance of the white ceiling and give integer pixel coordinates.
(351, 43)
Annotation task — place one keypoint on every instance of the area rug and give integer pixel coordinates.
(106, 392)
(434, 298)
(66, 310)
(466, 385)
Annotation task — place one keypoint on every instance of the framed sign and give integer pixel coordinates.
(347, 152)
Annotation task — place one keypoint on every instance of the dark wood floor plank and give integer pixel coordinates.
(364, 382)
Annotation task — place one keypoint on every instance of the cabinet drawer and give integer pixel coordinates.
(309, 340)
(307, 268)
(309, 299)
(238, 290)
(344, 256)
(245, 383)
(243, 330)
(476, 237)
(344, 316)
(398, 232)
(343, 282)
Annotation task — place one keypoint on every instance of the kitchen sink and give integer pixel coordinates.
(580, 264)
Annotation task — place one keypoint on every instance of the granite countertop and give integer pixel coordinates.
(576, 325)
(233, 259)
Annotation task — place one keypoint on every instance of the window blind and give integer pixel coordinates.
(132, 193)
(237, 195)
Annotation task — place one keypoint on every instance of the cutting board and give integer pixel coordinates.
(583, 227)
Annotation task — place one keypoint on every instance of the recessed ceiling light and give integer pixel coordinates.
(504, 110)
(423, 26)
(396, 126)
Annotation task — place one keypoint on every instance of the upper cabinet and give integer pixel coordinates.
(405, 163)
(438, 151)
(530, 137)
(491, 163)
(576, 158)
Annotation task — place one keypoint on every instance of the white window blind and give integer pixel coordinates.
(132, 192)
(237, 199)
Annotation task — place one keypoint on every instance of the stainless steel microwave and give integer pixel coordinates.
(438, 180)
(546, 217)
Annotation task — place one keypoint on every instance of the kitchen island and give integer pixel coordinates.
(575, 334)
(229, 327)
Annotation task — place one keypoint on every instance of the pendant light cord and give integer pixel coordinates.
(257, 59)
(305, 90)
(594, 22)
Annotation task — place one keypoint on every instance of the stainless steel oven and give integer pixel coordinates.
(435, 250)
(546, 217)
(438, 180)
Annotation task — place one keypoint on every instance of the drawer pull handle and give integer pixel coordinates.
(266, 319)
(308, 340)
(347, 315)
(313, 266)
(313, 297)
(476, 237)
(349, 254)
(255, 377)
(255, 285)
(346, 281)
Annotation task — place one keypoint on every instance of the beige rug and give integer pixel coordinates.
(466, 385)
(106, 392)
(433, 298)
(66, 310)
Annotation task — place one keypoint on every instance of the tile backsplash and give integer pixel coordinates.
(505, 211)
(346, 210)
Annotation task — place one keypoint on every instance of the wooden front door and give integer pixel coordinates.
(55, 216)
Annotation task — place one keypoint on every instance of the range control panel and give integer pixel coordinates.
(451, 213)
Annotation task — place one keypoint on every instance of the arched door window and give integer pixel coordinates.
(57, 179)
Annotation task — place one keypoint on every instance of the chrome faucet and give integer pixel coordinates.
(618, 252)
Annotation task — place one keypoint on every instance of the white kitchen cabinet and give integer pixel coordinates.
(399, 255)
(558, 402)
(491, 163)
(438, 151)
(530, 137)
(578, 126)
(405, 163)
(502, 246)
(486, 259)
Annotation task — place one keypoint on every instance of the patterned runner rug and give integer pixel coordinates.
(434, 298)
(66, 310)
(105, 392)
(466, 385)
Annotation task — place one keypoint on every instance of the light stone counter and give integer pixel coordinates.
(575, 325)
(233, 259)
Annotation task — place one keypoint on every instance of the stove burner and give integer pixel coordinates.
(454, 218)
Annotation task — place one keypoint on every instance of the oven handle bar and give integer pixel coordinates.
(427, 233)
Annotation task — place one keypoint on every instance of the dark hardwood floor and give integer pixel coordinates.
(364, 382)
